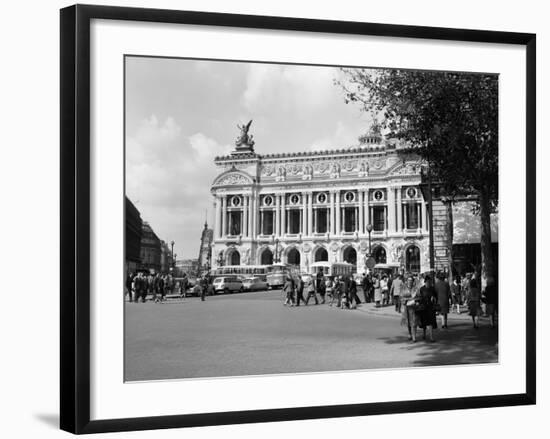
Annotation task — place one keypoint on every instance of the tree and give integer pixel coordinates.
(451, 120)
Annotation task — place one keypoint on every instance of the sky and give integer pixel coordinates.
(180, 114)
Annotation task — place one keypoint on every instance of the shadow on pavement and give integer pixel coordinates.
(460, 344)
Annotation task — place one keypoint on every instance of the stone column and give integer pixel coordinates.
(250, 215)
(310, 213)
(367, 209)
(338, 214)
(332, 215)
(245, 229)
(218, 221)
(304, 213)
(399, 211)
(391, 210)
(276, 231)
(343, 210)
(224, 216)
(254, 214)
(361, 212)
(283, 214)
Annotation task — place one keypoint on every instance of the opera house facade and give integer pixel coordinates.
(304, 207)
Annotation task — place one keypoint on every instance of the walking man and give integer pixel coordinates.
(310, 288)
(288, 289)
(300, 291)
(353, 297)
(320, 285)
(395, 292)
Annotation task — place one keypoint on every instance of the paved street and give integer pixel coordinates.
(253, 333)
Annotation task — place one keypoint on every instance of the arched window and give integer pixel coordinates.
(293, 257)
(412, 259)
(321, 255)
(234, 258)
(350, 255)
(379, 255)
(267, 257)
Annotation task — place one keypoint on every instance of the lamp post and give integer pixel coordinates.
(426, 189)
(369, 231)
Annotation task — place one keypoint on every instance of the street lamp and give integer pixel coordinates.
(369, 231)
(426, 189)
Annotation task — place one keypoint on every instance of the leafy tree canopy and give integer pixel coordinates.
(450, 119)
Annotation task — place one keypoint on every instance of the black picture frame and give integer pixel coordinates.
(75, 217)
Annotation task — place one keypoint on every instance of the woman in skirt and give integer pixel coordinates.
(426, 308)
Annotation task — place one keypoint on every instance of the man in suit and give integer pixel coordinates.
(299, 290)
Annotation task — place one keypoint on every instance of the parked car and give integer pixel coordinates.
(227, 284)
(254, 284)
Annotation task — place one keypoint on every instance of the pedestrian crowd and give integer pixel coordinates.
(420, 299)
(424, 299)
(140, 285)
(340, 291)
(159, 285)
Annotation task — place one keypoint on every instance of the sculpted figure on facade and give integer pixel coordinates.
(233, 179)
(396, 251)
(281, 174)
(246, 257)
(335, 171)
(244, 140)
(307, 172)
(364, 169)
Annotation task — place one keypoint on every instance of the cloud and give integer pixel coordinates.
(342, 136)
(169, 175)
(271, 87)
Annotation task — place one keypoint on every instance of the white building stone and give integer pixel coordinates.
(303, 207)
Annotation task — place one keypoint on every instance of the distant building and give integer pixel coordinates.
(150, 249)
(188, 266)
(132, 236)
(165, 257)
(205, 250)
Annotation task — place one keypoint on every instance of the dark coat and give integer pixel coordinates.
(426, 313)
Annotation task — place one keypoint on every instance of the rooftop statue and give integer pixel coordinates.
(244, 140)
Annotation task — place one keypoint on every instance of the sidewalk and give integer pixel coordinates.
(389, 311)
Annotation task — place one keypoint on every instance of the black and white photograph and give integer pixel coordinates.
(298, 218)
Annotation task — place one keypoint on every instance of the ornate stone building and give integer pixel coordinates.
(303, 207)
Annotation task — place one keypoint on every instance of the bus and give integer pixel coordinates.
(277, 273)
(333, 268)
(387, 269)
(242, 271)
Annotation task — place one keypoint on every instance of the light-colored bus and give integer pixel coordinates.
(332, 268)
(277, 273)
(243, 271)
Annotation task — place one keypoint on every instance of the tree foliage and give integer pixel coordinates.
(450, 119)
